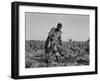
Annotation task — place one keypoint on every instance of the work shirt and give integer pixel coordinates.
(53, 40)
(55, 35)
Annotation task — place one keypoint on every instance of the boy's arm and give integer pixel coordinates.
(60, 39)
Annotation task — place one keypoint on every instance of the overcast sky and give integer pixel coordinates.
(38, 26)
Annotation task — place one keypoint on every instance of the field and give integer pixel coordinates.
(77, 54)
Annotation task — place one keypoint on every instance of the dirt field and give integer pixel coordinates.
(77, 54)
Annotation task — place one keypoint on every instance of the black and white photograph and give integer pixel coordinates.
(50, 40)
(54, 40)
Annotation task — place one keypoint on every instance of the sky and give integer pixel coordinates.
(38, 25)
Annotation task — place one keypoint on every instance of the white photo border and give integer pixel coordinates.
(54, 70)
